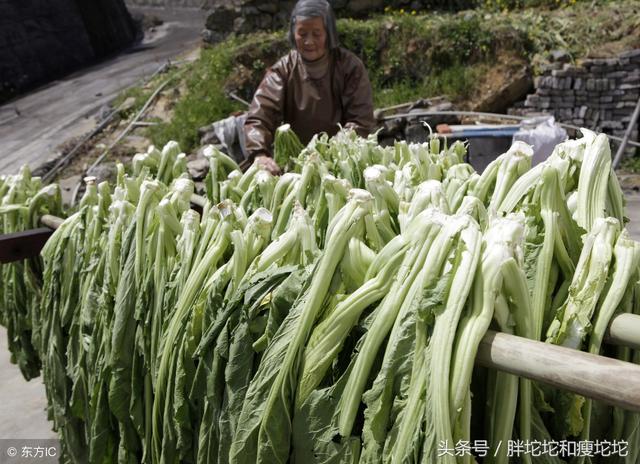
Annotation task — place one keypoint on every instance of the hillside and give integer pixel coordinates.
(470, 56)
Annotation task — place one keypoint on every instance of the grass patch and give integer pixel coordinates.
(140, 96)
(457, 80)
(631, 162)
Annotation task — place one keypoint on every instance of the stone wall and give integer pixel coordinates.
(342, 7)
(598, 93)
(41, 40)
(243, 16)
(206, 4)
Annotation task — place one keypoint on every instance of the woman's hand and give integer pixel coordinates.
(267, 163)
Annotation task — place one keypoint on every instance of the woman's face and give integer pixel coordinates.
(311, 38)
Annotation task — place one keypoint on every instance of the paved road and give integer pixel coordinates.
(34, 125)
(23, 404)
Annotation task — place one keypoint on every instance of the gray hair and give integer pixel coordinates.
(313, 9)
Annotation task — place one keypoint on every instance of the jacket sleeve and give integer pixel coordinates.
(265, 114)
(357, 99)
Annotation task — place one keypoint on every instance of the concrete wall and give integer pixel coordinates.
(41, 40)
(599, 93)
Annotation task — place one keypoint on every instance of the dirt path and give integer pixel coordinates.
(33, 126)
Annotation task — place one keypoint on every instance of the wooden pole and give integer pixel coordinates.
(609, 380)
(624, 330)
(52, 222)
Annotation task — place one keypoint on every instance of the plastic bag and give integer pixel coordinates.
(230, 133)
(543, 134)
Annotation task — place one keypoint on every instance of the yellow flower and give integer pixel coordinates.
(413, 12)
(401, 10)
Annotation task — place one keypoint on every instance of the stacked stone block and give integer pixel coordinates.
(598, 94)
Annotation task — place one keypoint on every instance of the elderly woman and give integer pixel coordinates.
(315, 87)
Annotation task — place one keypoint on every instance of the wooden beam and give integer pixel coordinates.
(52, 222)
(609, 380)
(23, 245)
(624, 330)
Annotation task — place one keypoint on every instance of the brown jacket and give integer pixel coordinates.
(287, 94)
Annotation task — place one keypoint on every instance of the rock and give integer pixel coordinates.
(363, 6)
(202, 131)
(136, 143)
(392, 127)
(514, 90)
(105, 172)
(200, 188)
(241, 25)
(264, 21)
(268, 7)
(281, 19)
(630, 54)
(582, 112)
(561, 56)
(209, 138)
(126, 105)
(198, 168)
(386, 141)
(250, 11)
(416, 132)
(445, 106)
(339, 4)
(212, 37)
(222, 20)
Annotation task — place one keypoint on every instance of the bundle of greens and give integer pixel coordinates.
(23, 200)
(329, 315)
